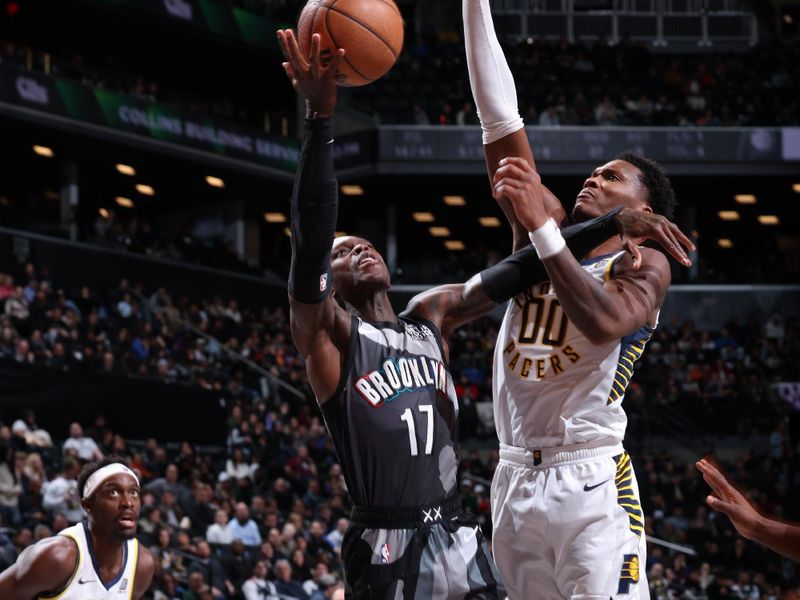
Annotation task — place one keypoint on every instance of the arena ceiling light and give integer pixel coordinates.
(454, 244)
(796, 187)
(43, 151)
(287, 232)
(454, 200)
(274, 217)
(769, 219)
(215, 181)
(124, 202)
(145, 190)
(724, 243)
(423, 217)
(103, 213)
(352, 190)
(125, 169)
(489, 221)
(745, 198)
(439, 231)
(729, 215)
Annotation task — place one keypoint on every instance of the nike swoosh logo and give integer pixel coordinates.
(589, 488)
(330, 142)
(81, 581)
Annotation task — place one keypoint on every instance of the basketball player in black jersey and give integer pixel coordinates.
(382, 379)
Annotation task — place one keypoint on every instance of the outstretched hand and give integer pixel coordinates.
(518, 181)
(728, 500)
(312, 80)
(636, 225)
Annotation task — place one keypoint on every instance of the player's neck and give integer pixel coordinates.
(608, 247)
(376, 307)
(109, 552)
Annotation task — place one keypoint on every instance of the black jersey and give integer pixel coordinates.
(393, 418)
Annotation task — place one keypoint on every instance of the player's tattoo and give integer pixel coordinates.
(628, 286)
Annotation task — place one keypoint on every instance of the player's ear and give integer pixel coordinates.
(87, 505)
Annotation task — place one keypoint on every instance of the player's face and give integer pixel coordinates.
(114, 507)
(612, 185)
(355, 263)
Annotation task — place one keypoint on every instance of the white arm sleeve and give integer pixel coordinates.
(489, 75)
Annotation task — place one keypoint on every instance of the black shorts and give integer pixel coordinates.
(418, 554)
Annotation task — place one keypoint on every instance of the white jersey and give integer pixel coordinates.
(552, 386)
(85, 582)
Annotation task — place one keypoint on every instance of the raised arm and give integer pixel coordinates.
(783, 538)
(42, 569)
(319, 326)
(601, 311)
(450, 306)
(495, 96)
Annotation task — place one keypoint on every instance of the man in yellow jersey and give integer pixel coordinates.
(99, 558)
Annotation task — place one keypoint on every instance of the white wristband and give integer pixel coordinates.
(547, 240)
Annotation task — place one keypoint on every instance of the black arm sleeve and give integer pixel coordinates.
(516, 273)
(315, 204)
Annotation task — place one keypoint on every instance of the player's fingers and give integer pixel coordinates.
(729, 508)
(313, 59)
(632, 248)
(665, 238)
(510, 170)
(333, 66)
(716, 480)
(684, 240)
(296, 57)
(515, 160)
(506, 187)
(290, 73)
(282, 42)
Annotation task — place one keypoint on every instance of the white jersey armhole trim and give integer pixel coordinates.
(78, 566)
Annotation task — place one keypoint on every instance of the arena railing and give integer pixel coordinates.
(658, 22)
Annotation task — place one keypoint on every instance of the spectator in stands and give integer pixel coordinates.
(257, 587)
(168, 482)
(327, 586)
(549, 117)
(10, 487)
(243, 528)
(212, 571)
(238, 564)
(218, 532)
(60, 496)
(285, 584)
(80, 446)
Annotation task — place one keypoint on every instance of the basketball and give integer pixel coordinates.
(370, 31)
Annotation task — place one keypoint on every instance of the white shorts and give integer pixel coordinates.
(568, 523)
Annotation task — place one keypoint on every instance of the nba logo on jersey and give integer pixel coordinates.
(123, 587)
(323, 282)
(386, 554)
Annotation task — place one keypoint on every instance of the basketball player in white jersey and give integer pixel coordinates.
(565, 508)
(96, 559)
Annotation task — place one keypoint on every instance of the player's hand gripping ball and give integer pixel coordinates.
(370, 31)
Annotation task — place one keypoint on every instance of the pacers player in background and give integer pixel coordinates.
(567, 522)
(382, 379)
(98, 559)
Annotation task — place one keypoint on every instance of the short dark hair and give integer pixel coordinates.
(90, 468)
(661, 196)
